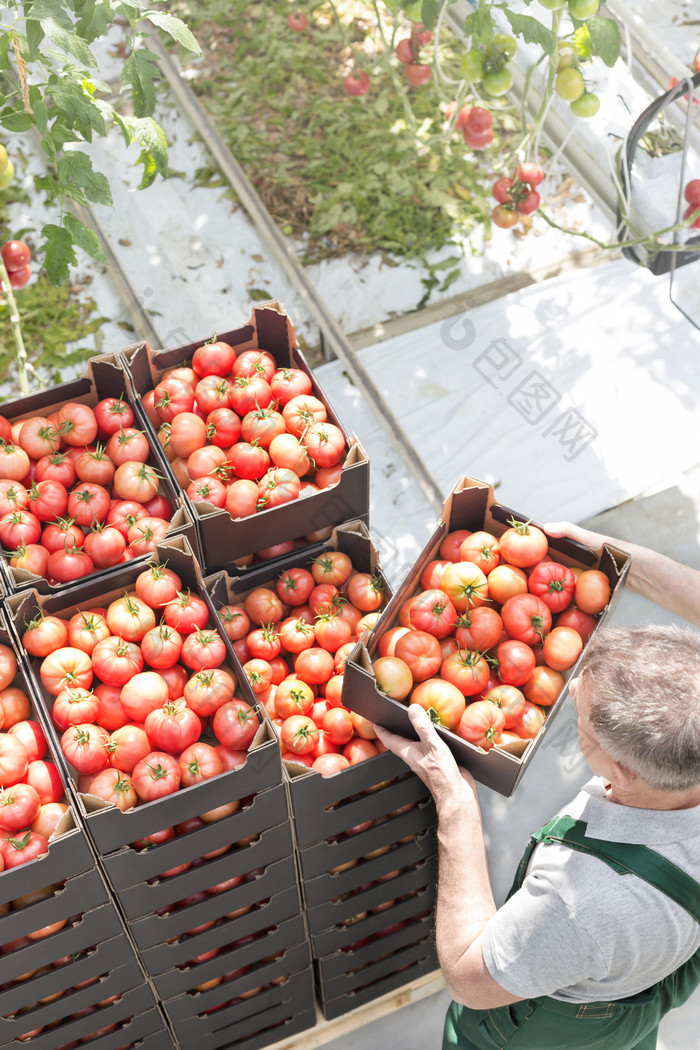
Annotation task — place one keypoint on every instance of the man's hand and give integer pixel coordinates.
(430, 758)
(594, 540)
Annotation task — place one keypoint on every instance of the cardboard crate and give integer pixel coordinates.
(152, 933)
(115, 981)
(103, 377)
(472, 505)
(135, 1013)
(326, 806)
(325, 856)
(325, 920)
(222, 538)
(341, 937)
(328, 886)
(102, 959)
(108, 827)
(388, 975)
(273, 1014)
(192, 1003)
(344, 970)
(92, 917)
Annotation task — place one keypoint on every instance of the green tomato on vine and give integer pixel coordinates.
(583, 9)
(586, 105)
(569, 84)
(552, 5)
(472, 64)
(498, 82)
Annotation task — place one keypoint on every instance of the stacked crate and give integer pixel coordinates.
(68, 969)
(193, 902)
(365, 839)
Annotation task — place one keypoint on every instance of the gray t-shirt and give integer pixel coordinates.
(577, 930)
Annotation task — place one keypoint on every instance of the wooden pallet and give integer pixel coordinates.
(326, 1031)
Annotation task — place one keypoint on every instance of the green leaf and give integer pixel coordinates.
(69, 40)
(479, 25)
(139, 73)
(259, 295)
(59, 253)
(175, 28)
(16, 119)
(41, 114)
(84, 237)
(76, 174)
(429, 13)
(93, 19)
(77, 107)
(532, 31)
(154, 147)
(35, 34)
(48, 9)
(605, 39)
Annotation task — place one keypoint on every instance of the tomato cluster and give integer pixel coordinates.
(132, 696)
(692, 195)
(292, 639)
(489, 67)
(474, 122)
(16, 257)
(31, 792)
(242, 433)
(234, 974)
(77, 491)
(483, 645)
(408, 53)
(518, 195)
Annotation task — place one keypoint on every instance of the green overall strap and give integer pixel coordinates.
(626, 858)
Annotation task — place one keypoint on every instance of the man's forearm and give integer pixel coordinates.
(464, 899)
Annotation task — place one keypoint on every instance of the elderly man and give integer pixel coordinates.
(600, 936)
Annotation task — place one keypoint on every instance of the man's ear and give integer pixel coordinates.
(624, 778)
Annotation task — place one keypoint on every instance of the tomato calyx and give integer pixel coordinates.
(521, 527)
(20, 844)
(158, 772)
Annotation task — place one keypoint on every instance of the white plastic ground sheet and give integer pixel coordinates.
(570, 396)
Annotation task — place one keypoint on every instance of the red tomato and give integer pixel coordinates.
(128, 446)
(213, 358)
(49, 816)
(365, 591)
(543, 686)
(530, 722)
(526, 618)
(562, 647)
(77, 424)
(46, 780)
(592, 591)
(206, 691)
(64, 668)
(207, 490)
(314, 665)
(135, 481)
(14, 704)
(523, 544)
(203, 649)
(127, 745)
(172, 727)
(421, 652)
(186, 613)
(433, 612)
(86, 629)
(516, 662)
(74, 706)
(115, 786)
(299, 734)
(443, 701)
(199, 762)
(553, 583)
(85, 747)
(113, 414)
(116, 661)
(235, 724)
(481, 724)
(143, 693)
(130, 618)
(17, 527)
(19, 850)
(44, 634)
(583, 623)
(510, 701)
(19, 806)
(327, 764)
(359, 749)
(155, 776)
(393, 677)
(161, 646)
(467, 670)
(293, 697)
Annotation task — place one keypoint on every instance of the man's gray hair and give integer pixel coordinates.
(643, 685)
